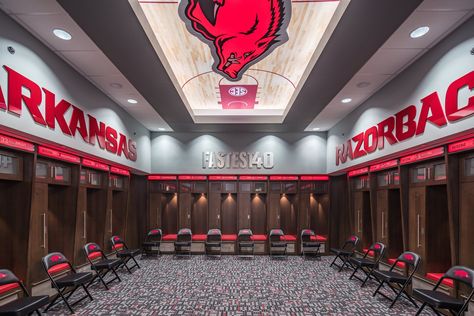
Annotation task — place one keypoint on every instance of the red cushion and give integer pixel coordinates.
(170, 237)
(400, 264)
(8, 287)
(288, 237)
(118, 246)
(437, 276)
(59, 268)
(95, 255)
(371, 253)
(318, 238)
(229, 237)
(199, 237)
(259, 237)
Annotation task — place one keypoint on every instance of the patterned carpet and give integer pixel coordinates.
(232, 286)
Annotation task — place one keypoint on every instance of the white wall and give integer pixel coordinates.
(35, 61)
(445, 63)
(299, 153)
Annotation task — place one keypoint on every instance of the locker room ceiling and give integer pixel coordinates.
(370, 45)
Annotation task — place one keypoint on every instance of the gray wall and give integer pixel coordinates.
(38, 63)
(297, 153)
(446, 62)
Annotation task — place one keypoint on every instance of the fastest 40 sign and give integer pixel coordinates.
(237, 160)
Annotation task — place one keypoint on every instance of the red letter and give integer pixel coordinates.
(359, 140)
(453, 112)
(373, 144)
(78, 123)
(432, 103)
(15, 84)
(3, 105)
(111, 136)
(132, 147)
(386, 134)
(96, 132)
(56, 112)
(410, 124)
(123, 146)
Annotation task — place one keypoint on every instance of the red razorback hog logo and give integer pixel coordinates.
(461, 274)
(239, 32)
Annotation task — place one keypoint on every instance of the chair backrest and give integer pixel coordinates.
(154, 235)
(118, 243)
(214, 235)
(378, 250)
(185, 234)
(306, 235)
(245, 235)
(461, 274)
(351, 243)
(93, 252)
(8, 278)
(409, 259)
(56, 263)
(276, 234)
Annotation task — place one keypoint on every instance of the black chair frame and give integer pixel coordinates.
(277, 247)
(400, 287)
(64, 292)
(125, 254)
(345, 253)
(213, 244)
(101, 270)
(183, 243)
(245, 242)
(152, 240)
(309, 248)
(357, 264)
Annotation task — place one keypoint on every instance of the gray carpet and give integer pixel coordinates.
(199, 286)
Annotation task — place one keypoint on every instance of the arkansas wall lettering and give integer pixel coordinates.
(403, 125)
(85, 125)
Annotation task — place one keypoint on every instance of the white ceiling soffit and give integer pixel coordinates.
(40, 17)
(397, 53)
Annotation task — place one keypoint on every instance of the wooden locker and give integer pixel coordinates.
(184, 204)
(229, 214)
(258, 214)
(38, 241)
(382, 217)
(199, 224)
(358, 206)
(81, 227)
(466, 224)
(416, 223)
(244, 211)
(273, 214)
(304, 211)
(154, 211)
(214, 218)
(169, 213)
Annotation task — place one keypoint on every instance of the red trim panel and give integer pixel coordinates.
(358, 172)
(283, 178)
(122, 172)
(384, 165)
(253, 178)
(94, 164)
(461, 146)
(314, 178)
(427, 154)
(223, 177)
(56, 154)
(15, 143)
(157, 177)
(192, 177)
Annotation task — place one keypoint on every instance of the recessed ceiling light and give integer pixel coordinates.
(346, 100)
(116, 85)
(419, 32)
(161, 129)
(62, 34)
(363, 84)
(316, 129)
(132, 101)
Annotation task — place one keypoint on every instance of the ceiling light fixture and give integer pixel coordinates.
(363, 84)
(161, 129)
(346, 100)
(62, 34)
(316, 129)
(419, 32)
(132, 101)
(116, 85)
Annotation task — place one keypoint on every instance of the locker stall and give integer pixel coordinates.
(91, 211)
(361, 210)
(466, 214)
(53, 212)
(388, 214)
(314, 209)
(116, 217)
(224, 209)
(16, 173)
(253, 206)
(428, 227)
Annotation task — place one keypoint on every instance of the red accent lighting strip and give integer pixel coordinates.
(358, 172)
(461, 146)
(122, 172)
(192, 177)
(156, 177)
(16, 143)
(314, 178)
(56, 154)
(283, 178)
(94, 164)
(384, 165)
(253, 178)
(435, 152)
(223, 177)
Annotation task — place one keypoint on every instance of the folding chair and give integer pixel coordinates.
(310, 248)
(56, 265)
(397, 281)
(277, 246)
(439, 300)
(151, 245)
(182, 245)
(101, 264)
(214, 243)
(345, 252)
(24, 305)
(124, 253)
(246, 244)
(367, 265)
